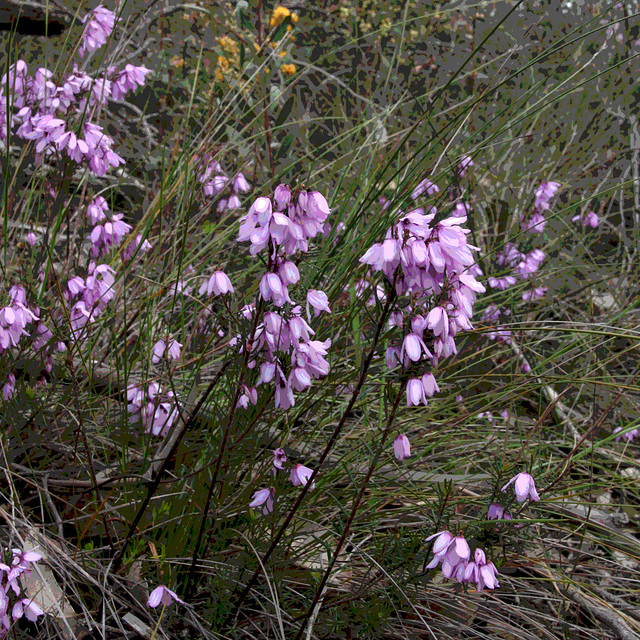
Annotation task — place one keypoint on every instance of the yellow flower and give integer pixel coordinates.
(177, 61)
(219, 75)
(289, 69)
(228, 44)
(295, 17)
(282, 54)
(223, 63)
(279, 15)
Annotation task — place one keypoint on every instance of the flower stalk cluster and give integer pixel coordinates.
(430, 264)
(20, 564)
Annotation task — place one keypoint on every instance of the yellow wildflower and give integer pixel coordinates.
(177, 61)
(280, 13)
(289, 69)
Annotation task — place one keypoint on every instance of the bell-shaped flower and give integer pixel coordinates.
(319, 301)
(525, 487)
(300, 475)
(415, 393)
(218, 285)
(162, 595)
(28, 608)
(402, 447)
(264, 498)
(481, 572)
(279, 458)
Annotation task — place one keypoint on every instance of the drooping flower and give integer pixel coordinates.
(588, 220)
(162, 595)
(525, 487)
(628, 436)
(300, 475)
(451, 551)
(402, 447)
(217, 285)
(465, 163)
(481, 572)
(9, 387)
(544, 193)
(496, 512)
(28, 608)
(279, 458)
(318, 300)
(264, 498)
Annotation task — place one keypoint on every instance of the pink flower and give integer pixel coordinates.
(249, 396)
(525, 487)
(464, 164)
(628, 436)
(415, 393)
(9, 387)
(496, 512)
(451, 552)
(279, 458)
(264, 498)
(588, 220)
(99, 28)
(300, 475)
(162, 595)
(483, 573)
(218, 285)
(28, 608)
(402, 447)
(318, 300)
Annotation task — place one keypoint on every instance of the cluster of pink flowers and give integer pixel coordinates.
(100, 23)
(433, 265)
(454, 554)
(88, 297)
(536, 222)
(283, 342)
(156, 409)
(522, 265)
(171, 347)
(110, 230)
(45, 113)
(21, 563)
(14, 319)
(299, 476)
(285, 224)
(629, 436)
(215, 181)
